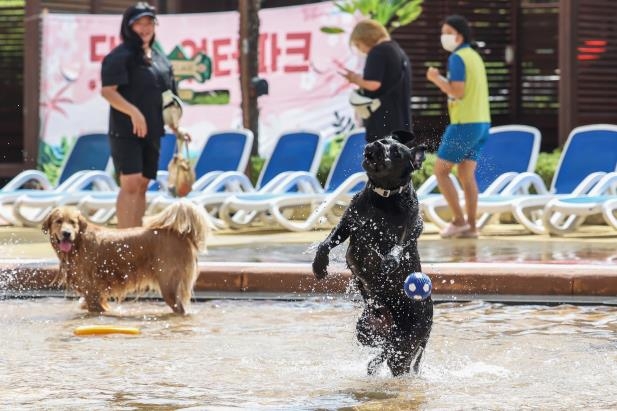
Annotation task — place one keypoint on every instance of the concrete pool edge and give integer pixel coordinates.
(448, 278)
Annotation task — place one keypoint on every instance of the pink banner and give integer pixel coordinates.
(299, 62)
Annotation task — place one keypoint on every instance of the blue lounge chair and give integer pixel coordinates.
(346, 177)
(227, 150)
(168, 148)
(294, 151)
(166, 153)
(84, 168)
(609, 206)
(223, 151)
(589, 154)
(509, 151)
(564, 214)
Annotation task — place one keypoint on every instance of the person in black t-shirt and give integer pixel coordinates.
(386, 76)
(134, 76)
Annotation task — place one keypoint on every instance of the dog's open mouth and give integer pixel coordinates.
(65, 245)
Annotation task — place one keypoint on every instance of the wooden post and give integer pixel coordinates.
(568, 85)
(32, 64)
(249, 47)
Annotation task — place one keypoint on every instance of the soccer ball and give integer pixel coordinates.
(418, 286)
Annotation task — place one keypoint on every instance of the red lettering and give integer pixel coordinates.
(261, 54)
(236, 53)
(95, 56)
(219, 56)
(275, 52)
(303, 50)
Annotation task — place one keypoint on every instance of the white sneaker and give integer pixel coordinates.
(452, 230)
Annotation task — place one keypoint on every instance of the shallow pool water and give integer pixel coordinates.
(28, 244)
(279, 355)
(438, 251)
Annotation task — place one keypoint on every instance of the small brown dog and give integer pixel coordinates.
(101, 263)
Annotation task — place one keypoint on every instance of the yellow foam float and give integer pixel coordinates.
(105, 329)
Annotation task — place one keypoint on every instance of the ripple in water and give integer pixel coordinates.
(302, 355)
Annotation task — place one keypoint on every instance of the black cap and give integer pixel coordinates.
(141, 9)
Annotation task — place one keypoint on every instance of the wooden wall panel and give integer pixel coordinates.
(95, 6)
(556, 76)
(596, 62)
(11, 81)
(492, 29)
(538, 58)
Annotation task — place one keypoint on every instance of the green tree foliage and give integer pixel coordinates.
(391, 13)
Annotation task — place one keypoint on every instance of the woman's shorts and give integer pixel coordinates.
(463, 141)
(133, 155)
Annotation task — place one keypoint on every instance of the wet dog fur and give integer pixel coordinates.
(383, 232)
(102, 263)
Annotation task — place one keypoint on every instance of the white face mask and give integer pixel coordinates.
(448, 42)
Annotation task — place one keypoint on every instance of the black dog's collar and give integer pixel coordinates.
(386, 193)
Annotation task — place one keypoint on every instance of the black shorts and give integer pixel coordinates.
(132, 155)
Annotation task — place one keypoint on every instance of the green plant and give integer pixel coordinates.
(332, 150)
(256, 164)
(391, 13)
(420, 176)
(547, 164)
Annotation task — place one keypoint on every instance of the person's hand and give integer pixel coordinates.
(352, 76)
(432, 74)
(183, 134)
(140, 128)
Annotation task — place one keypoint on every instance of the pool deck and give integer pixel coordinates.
(28, 265)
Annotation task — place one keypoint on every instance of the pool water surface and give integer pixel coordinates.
(437, 251)
(296, 355)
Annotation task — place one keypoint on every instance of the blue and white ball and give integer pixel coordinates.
(418, 286)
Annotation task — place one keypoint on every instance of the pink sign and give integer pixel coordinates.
(299, 62)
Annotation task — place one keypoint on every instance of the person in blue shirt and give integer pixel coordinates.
(466, 87)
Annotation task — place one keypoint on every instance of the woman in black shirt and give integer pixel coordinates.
(386, 76)
(134, 76)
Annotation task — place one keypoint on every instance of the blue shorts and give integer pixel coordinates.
(463, 141)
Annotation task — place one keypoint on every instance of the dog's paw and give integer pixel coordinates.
(320, 272)
(320, 266)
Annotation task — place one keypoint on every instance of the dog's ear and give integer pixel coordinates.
(417, 156)
(46, 225)
(83, 223)
(405, 137)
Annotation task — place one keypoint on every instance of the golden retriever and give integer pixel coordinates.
(101, 263)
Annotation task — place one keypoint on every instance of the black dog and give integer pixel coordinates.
(383, 224)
